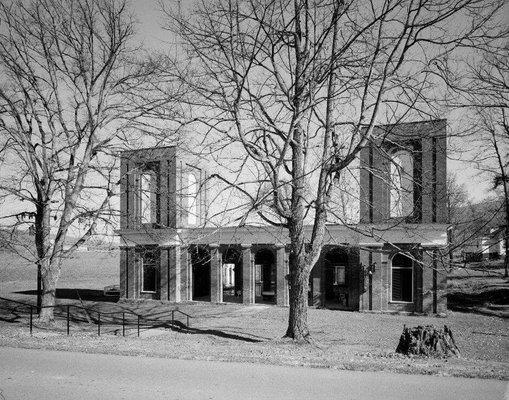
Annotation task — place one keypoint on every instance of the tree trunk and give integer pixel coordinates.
(298, 298)
(49, 270)
(50, 275)
(427, 341)
(505, 184)
(506, 256)
(504, 179)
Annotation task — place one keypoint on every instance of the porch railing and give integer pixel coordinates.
(140, 319)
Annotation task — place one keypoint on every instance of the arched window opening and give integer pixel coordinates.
(148, 193)
(192, 209)
(401, 184)
(402, 279)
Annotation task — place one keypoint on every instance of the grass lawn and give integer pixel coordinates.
(480, 288)
(232, 332)
(86, 270)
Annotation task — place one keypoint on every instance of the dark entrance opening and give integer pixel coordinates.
(200, 259)
(232, 275)
(336, 279)
(265, 277)
(148, 261)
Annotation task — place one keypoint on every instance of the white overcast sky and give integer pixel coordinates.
(150, 31)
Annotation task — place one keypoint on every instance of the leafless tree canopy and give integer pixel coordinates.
(298, 87)
(72, 87)
(481, 89)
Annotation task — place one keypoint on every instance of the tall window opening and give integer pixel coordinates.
(192, 209)
(402, 279)
(146, 198)
(148, 272)
(401, 184)
(148, 194)
(338, 274)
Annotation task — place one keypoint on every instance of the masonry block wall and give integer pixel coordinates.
(349, 274)
(426, 141)
(429, 283)
(171, 189)
(162, 161)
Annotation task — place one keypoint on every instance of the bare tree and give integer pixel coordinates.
(297, 87)
(482, 87)
(457, 198)
(71, 89)
(493, 156)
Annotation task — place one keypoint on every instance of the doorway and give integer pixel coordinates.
(232, 275)
(265, 277)
(200, 259)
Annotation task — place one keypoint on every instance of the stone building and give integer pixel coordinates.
(387, 262)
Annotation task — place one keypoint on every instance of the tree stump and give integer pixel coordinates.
(428, 341)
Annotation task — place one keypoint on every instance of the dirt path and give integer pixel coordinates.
(42, 374)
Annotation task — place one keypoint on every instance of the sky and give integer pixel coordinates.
(152, 35)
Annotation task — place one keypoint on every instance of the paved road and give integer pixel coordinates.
(41, 374)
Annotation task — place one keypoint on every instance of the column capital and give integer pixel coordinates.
(245, 245)
(279, 245)
(213, 245)
(431, 246)
(373, 245)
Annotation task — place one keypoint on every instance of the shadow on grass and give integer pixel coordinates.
(493, 295)
(181, 327)
(77, 316)
(78, 294)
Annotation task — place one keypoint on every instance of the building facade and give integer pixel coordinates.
(388, 262)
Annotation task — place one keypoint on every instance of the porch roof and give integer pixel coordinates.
(432, 235)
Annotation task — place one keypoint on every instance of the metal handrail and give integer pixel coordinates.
(68, 306)
(181, 312)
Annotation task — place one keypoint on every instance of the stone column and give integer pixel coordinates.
(186, 275)
(441, 178)
(354, 279)
(385, 295)
(248, 285)
(163, 193)
(427, 183)
(441, 287)
(123, 271)
(365, 260)
(428, 273)
(418, 290)
(132, 271)
(281, 280)
(174, 259)
(381, 193)
(216, 274)
(376, 281)
(164, 274)
(316, 275)
(124, 188)
(132, 205)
